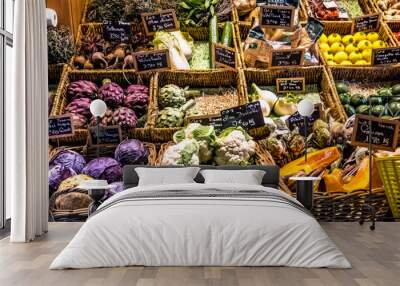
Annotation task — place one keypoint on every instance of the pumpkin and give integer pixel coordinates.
(318, 159)
(361, 179)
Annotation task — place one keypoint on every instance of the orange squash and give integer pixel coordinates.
(318, 159)
(333, 181)
(361, 179)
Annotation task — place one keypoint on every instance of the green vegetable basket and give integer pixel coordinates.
(389, 170)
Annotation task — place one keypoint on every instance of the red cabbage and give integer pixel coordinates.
(70, 159)
(57, 174)
(131, 152)
(104, 168)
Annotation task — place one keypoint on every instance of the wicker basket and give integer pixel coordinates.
(313, 75)
(375, 8)
(262, 158)
(119, 77)
(394, 28)
(54, 73)
(389, 171)
(344, 28)
(199, 79)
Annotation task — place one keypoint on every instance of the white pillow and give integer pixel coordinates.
(166, 176)
(248, 177)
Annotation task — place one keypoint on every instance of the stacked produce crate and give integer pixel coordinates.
(215, 56)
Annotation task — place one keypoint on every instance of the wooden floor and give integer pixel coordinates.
(375, 257)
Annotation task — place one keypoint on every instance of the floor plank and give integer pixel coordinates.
(375, 257)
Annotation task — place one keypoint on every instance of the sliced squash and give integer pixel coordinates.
(360, 181)
(333, 181)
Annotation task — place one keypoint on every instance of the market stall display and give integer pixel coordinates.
(340, 10)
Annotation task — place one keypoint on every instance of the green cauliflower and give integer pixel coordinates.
(185, 152)
(234, 147)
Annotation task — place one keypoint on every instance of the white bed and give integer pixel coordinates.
(201, 225)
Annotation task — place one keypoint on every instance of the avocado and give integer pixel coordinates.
(378, 110)
(341, 87)
(344, 98)
(358, 99)
(362, 109)
(396, 89)
(349, 109)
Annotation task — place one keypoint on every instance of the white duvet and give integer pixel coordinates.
(204, 231)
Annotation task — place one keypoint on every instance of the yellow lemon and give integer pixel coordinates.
(328, 56)
(334, 38)
(364, 44)
(355, 56)
(378, 44)
(351, 48)
(359, 36)
(372, 36)
(361, 62)
(331, 63)
(348, 39)
(323, 39)
(324, 47)
(346, 63)
(337, 47)
(367, 54)
(340, 57)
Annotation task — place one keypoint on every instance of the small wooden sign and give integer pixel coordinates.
(61, 126)
(296, 120)
(293, 84)
(224, 56)
(164, 20)
(366, 23)
(286, 58)
(117, 31)
(152, 61)
(274, 16)
(386, 56)
(314, 28)
(213, 120)
(109, 135)
(384, 132)
(248, 116)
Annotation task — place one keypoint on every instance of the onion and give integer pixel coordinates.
(98, 59)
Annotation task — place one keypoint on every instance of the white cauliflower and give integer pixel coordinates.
(234, 147)
(185, 152)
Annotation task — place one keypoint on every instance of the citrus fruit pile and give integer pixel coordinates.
(350, 49)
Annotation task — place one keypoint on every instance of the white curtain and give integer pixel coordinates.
(26, 121)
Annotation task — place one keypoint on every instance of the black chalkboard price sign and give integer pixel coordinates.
(274, 16)
(384, 133)
(293, 84)
(296, 120)
(286, 58)
(224, 56)
(60, 126)
(151, 61)
(248, 116)
(386, 56)
(366, 23)
(109, 135)
(164, 20)
(117, 31)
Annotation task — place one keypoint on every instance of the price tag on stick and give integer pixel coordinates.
(109, 135)
(384, 133)
(224, 56)
(164, 20)
(386, 56)
(274, 16)
(293, 84)
(366, 23)
(286, 58)
(61, 126)
(151, 61)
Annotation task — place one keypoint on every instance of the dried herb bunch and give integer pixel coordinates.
(60, 44)
(197, 13)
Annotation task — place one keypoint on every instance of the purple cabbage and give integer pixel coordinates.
(70, 159)
(117, 187)
(104, 168)
(131, 152)
(57, 174)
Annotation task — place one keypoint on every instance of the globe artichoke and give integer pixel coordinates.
(78, 120)
(125, 117)
(106, 120)
(171, 95)
(171, 117)
(111, 93)
(79, 106)
(82, 89)
(137, 98)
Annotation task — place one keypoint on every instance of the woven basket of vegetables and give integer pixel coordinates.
(261, 85)
(394, 26)
(390, 9)
(178, 95)
(127, 95)
(339, 47)
(199, 145)
(344, 11)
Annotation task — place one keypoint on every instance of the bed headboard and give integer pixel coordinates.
(271, 177)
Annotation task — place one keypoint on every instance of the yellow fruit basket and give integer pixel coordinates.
(389, 170)
(340, 47)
